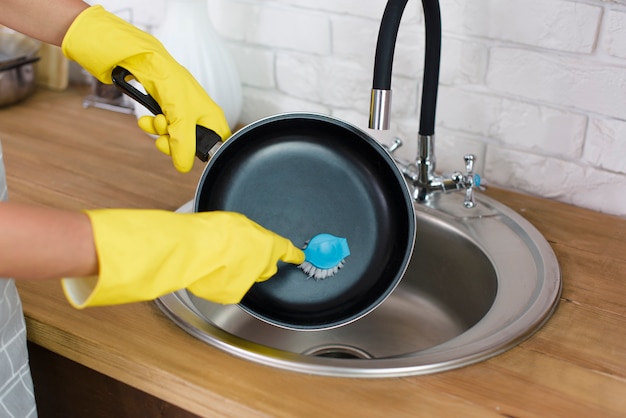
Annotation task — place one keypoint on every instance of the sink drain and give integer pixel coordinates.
(338, 351)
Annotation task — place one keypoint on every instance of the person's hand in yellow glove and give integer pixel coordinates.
(99, 41)
(144, 254)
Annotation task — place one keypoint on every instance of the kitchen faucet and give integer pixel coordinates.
(421, 174)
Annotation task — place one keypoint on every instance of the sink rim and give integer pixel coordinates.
(476, 344)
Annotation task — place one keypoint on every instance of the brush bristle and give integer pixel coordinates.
(318, 273)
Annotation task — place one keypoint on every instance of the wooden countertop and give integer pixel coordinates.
(59, 154)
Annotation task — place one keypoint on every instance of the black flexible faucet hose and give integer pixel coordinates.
(386, 45)
(383, 62)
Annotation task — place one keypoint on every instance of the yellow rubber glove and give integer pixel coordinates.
(144, 254)
(99, 41)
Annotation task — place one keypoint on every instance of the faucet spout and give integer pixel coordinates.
(383, 65)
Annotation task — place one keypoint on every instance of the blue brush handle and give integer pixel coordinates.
(326, 251)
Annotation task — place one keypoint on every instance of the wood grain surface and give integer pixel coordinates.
(59, 154)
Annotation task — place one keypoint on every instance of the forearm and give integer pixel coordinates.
(44, 243)
(46, 20)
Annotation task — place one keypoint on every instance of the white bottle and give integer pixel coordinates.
(187, 33)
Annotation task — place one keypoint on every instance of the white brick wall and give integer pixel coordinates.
(551, 24)
(536, 88)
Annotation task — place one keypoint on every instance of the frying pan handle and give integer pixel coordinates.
(205, 138)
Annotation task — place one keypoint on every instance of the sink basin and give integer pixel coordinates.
(480, 281)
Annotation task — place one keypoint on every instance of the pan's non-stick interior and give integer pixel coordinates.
(303, 174)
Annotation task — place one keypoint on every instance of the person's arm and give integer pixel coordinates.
(121, 256)
(100, 41)
(47, 21)
(112, 256)
(45, 243)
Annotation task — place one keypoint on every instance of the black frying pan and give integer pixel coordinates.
(303, 174)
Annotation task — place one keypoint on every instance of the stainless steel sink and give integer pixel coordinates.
(481, 280)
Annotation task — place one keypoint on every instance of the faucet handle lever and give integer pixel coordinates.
(470, 180)
(397, 143)
(469, 201)
(469, 164)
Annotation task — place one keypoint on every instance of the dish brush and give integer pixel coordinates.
(324, 254)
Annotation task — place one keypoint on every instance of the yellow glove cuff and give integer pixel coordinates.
(99, 41)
